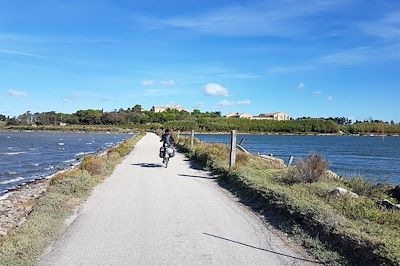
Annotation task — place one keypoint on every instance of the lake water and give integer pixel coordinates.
(376, 158)
(26, 156)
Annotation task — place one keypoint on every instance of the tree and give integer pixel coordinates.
(90, 116)
(137, 108)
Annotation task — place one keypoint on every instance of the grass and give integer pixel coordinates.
(357, 230)
(25, 244)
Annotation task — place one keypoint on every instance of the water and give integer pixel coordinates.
(376, 158)
(25, 156)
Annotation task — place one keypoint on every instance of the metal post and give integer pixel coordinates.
(232, 156)
(192, 139)
(290, 160)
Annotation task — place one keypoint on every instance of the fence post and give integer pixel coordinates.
(290, 161)
(232, 156)
(192, 140)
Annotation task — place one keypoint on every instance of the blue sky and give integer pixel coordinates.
(308, 58)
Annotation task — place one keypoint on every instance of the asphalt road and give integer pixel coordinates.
(145, 214)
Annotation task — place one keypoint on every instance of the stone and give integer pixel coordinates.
(390, 206)
(342, 192)
(395, 193)
(16, 205)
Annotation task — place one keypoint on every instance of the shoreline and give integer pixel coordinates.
(18, 202)
(289, 134)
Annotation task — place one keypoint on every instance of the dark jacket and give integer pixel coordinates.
(167, 139)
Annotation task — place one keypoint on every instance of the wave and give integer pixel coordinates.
(13, 153)
(69, 161)
(11, 173)
(61, 143)
(82, 153)
(9, 181)
(35, 164)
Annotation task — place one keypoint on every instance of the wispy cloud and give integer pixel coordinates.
(387, 27)
(330, 98)
(274, 18)
(230, 103)
(148, 82)
(215, 89)
(17, 93)
(4, 51)
(169, 82)
(362, 55)
(301, 86)
(76, 96)
(105, 99)
(317, 93)
(289, 69)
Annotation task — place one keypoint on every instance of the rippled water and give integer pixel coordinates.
(25, 156)
(376, 158)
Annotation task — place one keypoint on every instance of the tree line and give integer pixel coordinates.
(136, 117)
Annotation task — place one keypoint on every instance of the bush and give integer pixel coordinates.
(312, 169)
(96, 165)
(363, 187)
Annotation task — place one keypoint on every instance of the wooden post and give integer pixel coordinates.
(192, 139)
(232, 156)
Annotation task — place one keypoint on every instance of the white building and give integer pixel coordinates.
(238, 115)
(160, 109)
(278, 116)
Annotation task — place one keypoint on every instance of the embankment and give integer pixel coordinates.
(345, 230)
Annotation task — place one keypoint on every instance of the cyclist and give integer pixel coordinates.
(168, 142)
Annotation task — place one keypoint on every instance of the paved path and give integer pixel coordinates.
(145, 214)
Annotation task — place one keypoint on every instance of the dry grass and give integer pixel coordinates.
(311, 169)
(95, 165)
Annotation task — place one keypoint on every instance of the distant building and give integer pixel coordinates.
(160, 109)
(278, 116)
(62, 124)
(238, 115)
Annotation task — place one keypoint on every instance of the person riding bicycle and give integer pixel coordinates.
(168, 143)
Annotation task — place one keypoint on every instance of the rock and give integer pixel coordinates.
(395, 193)
(330, 175)
(390, 206)
(275, 161)
(342, 192)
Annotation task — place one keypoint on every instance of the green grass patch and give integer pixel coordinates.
(357, 230)
(25, 244)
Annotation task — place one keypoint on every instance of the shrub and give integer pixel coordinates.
(95, 165)
(363, 187)
(311, 169)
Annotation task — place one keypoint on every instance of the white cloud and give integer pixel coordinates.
(330, 98)
(17, 94)
(229, 103)
(215, 89)
(317, 93)
(170, 82)
(147, 83)
(301, 86)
